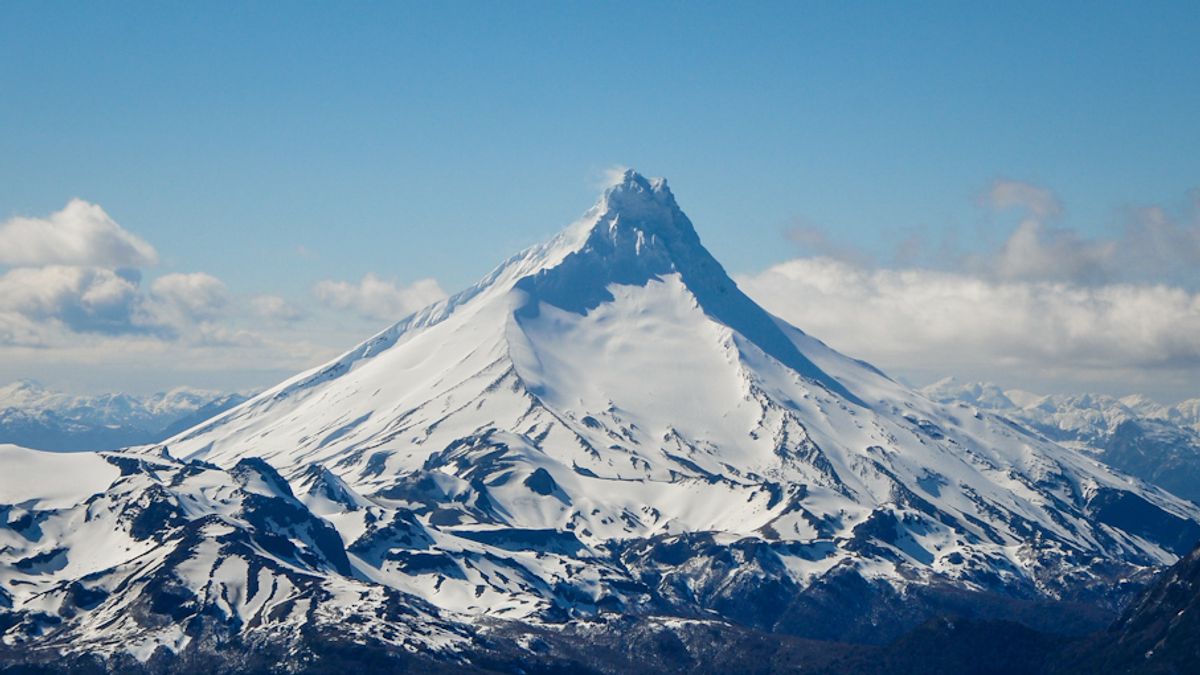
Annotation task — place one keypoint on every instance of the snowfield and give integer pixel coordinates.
(45, 480)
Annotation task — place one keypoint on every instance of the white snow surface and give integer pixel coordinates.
(47, 480)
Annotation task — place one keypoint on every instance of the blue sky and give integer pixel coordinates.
(230, 134)
(278, 145)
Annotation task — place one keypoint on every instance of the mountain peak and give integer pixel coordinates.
(639, 213)
(634, 194)
(634, 233)
(637, 233)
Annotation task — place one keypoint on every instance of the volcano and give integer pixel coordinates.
(603, 426)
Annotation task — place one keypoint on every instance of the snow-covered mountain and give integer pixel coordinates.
(604, 426)
(36, 417)
(1158, 443)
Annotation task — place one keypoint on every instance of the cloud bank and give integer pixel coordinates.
(928, 318)
(1048, 308)
(1003, 194)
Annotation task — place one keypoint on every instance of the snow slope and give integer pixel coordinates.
(44, 480)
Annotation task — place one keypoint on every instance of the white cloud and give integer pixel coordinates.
(46, 305)
(1036, 252)
(1046, 304)
(378, 299)
(916, 320)
(84, 323)
(80, 234)
(73, 305)
(1162, 245)
(226, 359)
(275, 308)
(75, 271)
(37, 301)
(1155, 245)
(193, 297)
(1049, 308)
(815, 240)
(1040, 202)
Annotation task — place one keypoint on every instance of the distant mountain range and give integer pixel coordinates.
(1157, 443)
(36, 417)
